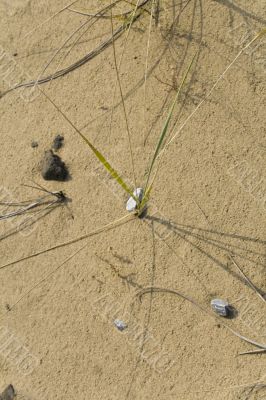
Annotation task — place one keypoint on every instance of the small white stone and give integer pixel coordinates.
(131, 203)
(120, 325)
(220, 306)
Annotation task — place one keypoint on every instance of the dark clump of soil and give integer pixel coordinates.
(34, 144)
(58, 142)
(8, 393)
(53, 168)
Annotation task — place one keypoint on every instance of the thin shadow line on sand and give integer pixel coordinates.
(147, 317)
(184, 233)
(241, 11)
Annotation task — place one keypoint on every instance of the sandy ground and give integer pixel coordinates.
(208, 203)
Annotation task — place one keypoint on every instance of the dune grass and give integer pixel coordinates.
(101, 158)
(162, 145)
(129, 18)
(154, 166)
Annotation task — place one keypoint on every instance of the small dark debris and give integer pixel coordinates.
(232, 312)
(53, 168)
(34, 144)
(8, 393)
(8, 307)
(15, 54)
(58, 142)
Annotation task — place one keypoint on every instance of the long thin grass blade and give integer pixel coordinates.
(89, 56)
(249, 282)
(151, 289)
(127, 25)
(88, 14)
(165, 128)
(102, 11)
(96, 152)
(146, 65)
(110, 169)
(123, 103)
(118, 222)
(258, 36)
(46, 276)
(49, 19)
(252, 352)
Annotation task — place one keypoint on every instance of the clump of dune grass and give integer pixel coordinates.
(162, 143)
(154, 165)
(41, 203)
(160, 147)
(24, 214)
(128, 17)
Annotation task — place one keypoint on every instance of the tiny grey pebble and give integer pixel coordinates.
(120, 325)
(58, 142)
(34, 144)
(8, 393)
(220, 307)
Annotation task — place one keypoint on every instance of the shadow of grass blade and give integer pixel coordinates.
(163, 133)
(114, 174)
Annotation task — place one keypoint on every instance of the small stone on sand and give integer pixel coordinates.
(131, 203)
(58, 142)
(8, 393)
(34, 144)
(220, 307)
(120, 325)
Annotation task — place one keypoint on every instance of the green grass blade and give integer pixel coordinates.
(148, 189)
(259, 34)
(165, 128)
(97, 153)
(109, 168)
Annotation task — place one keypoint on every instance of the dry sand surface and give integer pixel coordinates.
(207, 208)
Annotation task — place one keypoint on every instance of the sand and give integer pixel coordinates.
(208, 205)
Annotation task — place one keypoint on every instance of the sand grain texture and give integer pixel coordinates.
(67, 321)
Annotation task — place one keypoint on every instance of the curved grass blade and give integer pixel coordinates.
(87, 22)
(154, 289)
(88, 57)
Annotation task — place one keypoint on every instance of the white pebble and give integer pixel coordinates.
(131, 203)
(120, 325)
(220, 306)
